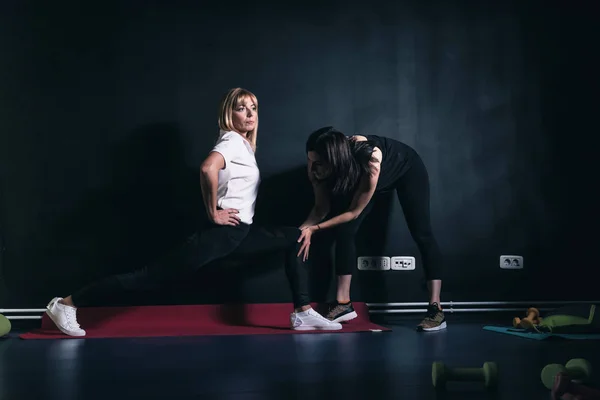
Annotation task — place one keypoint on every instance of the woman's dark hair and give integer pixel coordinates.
(348, 159)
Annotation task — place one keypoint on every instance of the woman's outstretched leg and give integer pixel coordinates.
(200, 249)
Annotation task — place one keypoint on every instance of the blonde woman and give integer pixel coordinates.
(229, 181)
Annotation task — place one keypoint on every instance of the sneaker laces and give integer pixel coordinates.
(315, 314)
(71, 317)
(336, 309)
(432, 311)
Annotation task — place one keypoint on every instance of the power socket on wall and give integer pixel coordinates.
(403, 263)
(373, 263)
(511, 262)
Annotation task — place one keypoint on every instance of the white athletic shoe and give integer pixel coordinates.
(310, 320)
(64, 317)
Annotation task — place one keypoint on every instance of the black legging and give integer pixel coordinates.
(211, 243)
(413, 193)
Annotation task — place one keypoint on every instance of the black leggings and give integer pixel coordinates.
(413, 193)
(212, 243)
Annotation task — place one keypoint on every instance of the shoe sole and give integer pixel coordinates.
(346, 317)
(435, 328)
(315, 328)
(49, 314)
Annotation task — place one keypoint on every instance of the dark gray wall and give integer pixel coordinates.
(107, 111)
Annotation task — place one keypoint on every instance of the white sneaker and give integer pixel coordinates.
(310, 320)
(64, 317)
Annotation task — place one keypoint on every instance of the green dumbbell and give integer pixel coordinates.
(4, 325)
(577, 369)
(441, 374)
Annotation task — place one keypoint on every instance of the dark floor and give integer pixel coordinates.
(372, 366)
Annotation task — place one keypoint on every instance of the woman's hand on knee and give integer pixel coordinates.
(305, 239)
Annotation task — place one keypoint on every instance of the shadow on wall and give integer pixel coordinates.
(149, 205)
(285, 198)
(153, 192)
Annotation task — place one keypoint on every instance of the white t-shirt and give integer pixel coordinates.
(239, 180)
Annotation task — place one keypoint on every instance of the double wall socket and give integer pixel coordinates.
(403, 263)
(511, 262)
(373, 263)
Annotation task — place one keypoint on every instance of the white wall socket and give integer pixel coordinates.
(511, 262)
(403, 263)
(373, 263)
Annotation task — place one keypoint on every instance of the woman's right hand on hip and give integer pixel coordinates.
(226, 217)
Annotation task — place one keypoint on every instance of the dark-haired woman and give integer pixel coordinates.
(346, 172)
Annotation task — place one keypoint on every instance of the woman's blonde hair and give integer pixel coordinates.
(229, 102)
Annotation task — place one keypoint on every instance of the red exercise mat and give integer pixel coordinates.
(191, 320)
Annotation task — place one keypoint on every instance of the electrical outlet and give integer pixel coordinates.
(511, 262)
(403, 263)
(373, 263)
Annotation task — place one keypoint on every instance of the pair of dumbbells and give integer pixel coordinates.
(556, 377)
(564, 380)
(441, 374)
